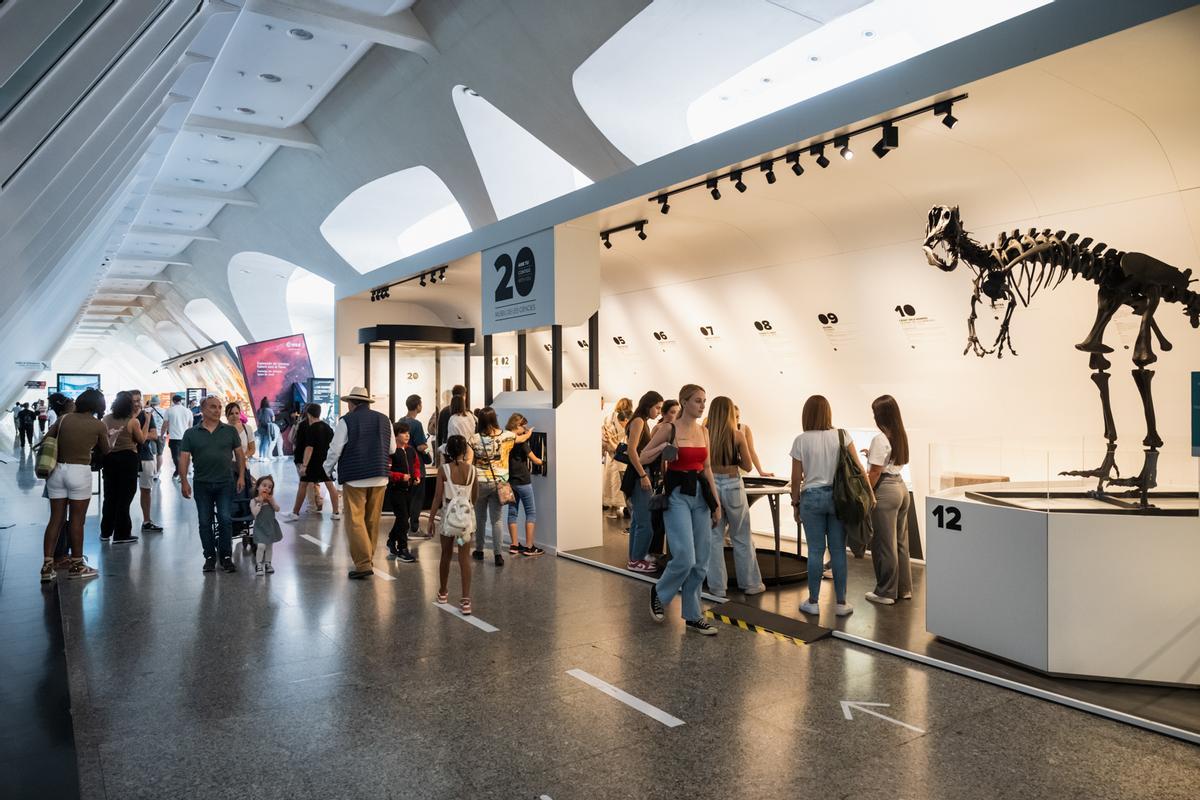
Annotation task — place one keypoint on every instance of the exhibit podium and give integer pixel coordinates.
(1065, 586)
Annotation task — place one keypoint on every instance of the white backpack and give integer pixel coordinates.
(458, 516)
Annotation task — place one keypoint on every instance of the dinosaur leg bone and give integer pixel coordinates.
(1143, 350)
(1104, 472)
(1147, 479)
(973, 343)
(1108, 301)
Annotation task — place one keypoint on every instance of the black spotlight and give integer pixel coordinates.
(769, 168)
(793, 158)
(422, 278)
(433, 279)
(712, 188)
(442, 275)
(942, 110)
(842, 143)
(607, 243)
(664, 207)
(736, 177)
(641, 230)
(890, 140)
(818, 151)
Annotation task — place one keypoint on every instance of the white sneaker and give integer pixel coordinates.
(762, 587)
(843, 609)
(335, 516)
(906, 596)
(883, 601)
(810, 608)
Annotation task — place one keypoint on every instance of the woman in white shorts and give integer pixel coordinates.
(79, 433)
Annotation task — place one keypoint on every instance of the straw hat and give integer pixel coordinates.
(359, 395)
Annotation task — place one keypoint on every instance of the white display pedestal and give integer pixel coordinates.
(568, 498)
(1086, 595)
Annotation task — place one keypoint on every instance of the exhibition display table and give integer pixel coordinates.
(1071, 593)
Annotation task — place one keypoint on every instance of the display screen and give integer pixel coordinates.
(212, 370)
(274, 368)
(321, 390)
(75, 384)
(194, 396)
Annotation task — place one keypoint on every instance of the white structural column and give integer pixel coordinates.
(401, 30)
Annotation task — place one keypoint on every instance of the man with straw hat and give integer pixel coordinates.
(362, 453)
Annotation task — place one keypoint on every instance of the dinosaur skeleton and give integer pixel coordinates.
(1021, 263)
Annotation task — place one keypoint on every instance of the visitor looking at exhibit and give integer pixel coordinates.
(80, 437)
(815, 454)
(120, 474)
(692, 509)
(730, 456)
(886, 456)
(453, 500)
(460, 421)
(612, 436)
(641, 476)
(264, 418)
(178, 420)
(520, 478)
(491, 447)
(420, 443)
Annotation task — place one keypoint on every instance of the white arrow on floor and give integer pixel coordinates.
(859, 705)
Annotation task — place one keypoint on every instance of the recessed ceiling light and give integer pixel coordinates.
(196, 180)
(210, 161)
(268, 77)
(868, 34)
(814, 59)
(224, 138)
(245, 110)
(301, 34)
(176, 210)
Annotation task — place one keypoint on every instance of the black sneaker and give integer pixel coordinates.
(499, 560)
(406, 556)
(228, 565)
(393, 548)
(124, 540)
(532, 551)
(105, 538)
(477, 555)
(656, 607)
(701, 627)
(516, 549)
(150, 527)
(361, 574)
(210, 565)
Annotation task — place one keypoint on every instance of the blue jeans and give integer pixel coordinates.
(735, 514)
(821, 525)
(487, 517)
(641, 531)
(689, 532)
(524, 495)
(264, 442)
(220, 496)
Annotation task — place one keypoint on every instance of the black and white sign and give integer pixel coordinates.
(518, 284)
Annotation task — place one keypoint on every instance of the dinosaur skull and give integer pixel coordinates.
(942, 233)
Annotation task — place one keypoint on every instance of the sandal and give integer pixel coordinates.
(443, 598)
(465, 606)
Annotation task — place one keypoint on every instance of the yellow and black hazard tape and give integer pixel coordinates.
(746, 626)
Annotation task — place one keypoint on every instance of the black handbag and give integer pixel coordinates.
(621, 454)
(660, 499)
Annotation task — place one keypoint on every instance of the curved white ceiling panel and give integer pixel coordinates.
(310, 311)
(392, 217)
(258, 283)
(212, 322)
(519, 171)
(172, 338)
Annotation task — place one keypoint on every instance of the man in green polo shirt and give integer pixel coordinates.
(214, 447)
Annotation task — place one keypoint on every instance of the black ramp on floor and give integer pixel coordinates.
(766, 621)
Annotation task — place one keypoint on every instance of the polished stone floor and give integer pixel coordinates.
(306, 685)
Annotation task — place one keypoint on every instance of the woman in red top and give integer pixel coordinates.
(692, 510)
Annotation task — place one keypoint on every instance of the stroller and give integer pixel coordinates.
(243, 520)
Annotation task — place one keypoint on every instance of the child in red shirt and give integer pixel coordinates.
(405, 475)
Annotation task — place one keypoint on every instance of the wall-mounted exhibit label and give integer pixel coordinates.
(838, 332)
(919, 329)
(39, 365)
(518, 284)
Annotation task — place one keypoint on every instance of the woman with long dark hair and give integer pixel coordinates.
(693, 508)
(730, 454)
(886, 456)
(491, 447)
(262, 419)
(121, 467)
(79, 433)
(640, 478)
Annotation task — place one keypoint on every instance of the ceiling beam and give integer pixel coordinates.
(402, 30)
(132, 260)
(104, 297)
(236, 197)
(133, 279)
(297, 136)
(203, 234)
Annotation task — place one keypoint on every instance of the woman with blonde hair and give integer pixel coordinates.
(613, 435)
(693, 508)
(886, 456)
(815, 455)
(730, 454)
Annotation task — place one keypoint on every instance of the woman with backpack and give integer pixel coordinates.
(886, 456)
(491, 447)
(454, 500)
(815, 457)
